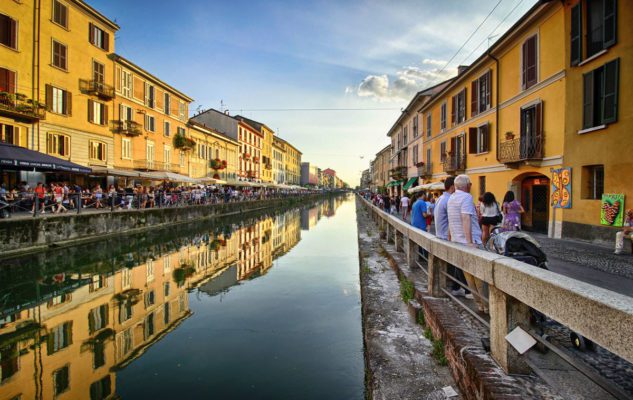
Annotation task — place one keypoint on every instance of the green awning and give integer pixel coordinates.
(409, 183)
(394, 183)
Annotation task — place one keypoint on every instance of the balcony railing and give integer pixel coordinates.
(425, 171)
(523, 148)
(96, 88)
(129, 128)
(19, 107)
(398, 172)
(454, 163)
(156, 166)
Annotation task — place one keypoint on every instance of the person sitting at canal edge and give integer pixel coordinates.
(404, 206)
(464, 229)
(627, 231)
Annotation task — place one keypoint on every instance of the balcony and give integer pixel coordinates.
(17, 106)
(425, 171)
(147, 165)
(129, 128)
(454, 163)
(398, 173)
(96, 88)
(524, 148)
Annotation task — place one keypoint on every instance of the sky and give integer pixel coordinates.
(276, 61)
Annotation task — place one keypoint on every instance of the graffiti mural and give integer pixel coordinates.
(561, 188)
(612, 209)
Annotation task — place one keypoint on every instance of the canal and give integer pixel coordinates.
(264, 306)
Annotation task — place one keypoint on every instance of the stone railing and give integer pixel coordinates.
(603, 316)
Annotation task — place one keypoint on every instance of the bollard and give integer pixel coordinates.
(79, 206)
(436, 278)
(506, 313)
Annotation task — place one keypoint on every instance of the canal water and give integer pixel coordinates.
(264, 306)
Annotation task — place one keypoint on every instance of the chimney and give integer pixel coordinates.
(226, 112)
(461, 69)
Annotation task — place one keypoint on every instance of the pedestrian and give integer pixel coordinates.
(627, 231)
(404, 206)
(387, 203)
(419, 213)
(512, 211)
(430, 206)
(98, 192)
(397, 203)
(393, 208)
(490, 215)
(40, 194)
(464, 229)
(58, 192)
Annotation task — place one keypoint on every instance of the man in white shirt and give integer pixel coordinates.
(404, 205)
(464, 228)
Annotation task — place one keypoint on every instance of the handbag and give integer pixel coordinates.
(499, 217)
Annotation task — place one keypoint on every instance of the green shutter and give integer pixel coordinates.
(587, 101)
(610, 91)
(576, 34)
(609, 32)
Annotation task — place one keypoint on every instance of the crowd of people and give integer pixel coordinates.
(61, 197)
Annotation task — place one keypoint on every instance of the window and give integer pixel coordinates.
(59, 337)
(58, 300)
(443, 116)
(405, 136)
(415, 157)
(482, 185)
(166, 289)
(600, 95)
(593, 182)
(11, 134)
(428, 125)
(458, 108)
(479, 139)
(149, 272)
(149, 152)
(126, 149)
(167, 154)
(167, 103)
(148, 328)
(166, 128)
(149, 95)
(124, 342)
(529, 60)
(531, 140)
(125, 311)
(101, 389)
(443, 151)
(576, 34)
(8, 31)
(481, 94)
(58, 100)
(60, 14)
(150, 123)
(126, 83)
(601, 25)
(98, 282)
(98, 72)
(98, 151)
(415, 126)
(428, 158)
(60, 55)
(7, 80)
(97, 112)
(181, 110)
(61, 381)
(98, 318)
(58, 145)
(98, 354)
(182, 159)
(98, 37)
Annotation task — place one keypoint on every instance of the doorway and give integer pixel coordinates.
(535, 201)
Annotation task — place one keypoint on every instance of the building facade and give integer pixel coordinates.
(250, 152)
(279, 162)
(309, 174)
(214, 155)
(292, 163)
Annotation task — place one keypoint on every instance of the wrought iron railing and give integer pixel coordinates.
(399, 172)
(96, 88)
(425, 170)
(522, 149)
(19, 107)
(129, 128)
(454, 162)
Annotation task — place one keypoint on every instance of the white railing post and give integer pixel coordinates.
(506, 313)
(412, 253)
(436, 279)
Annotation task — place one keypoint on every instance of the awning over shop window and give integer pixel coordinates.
(115, 172)
(22, 159)
(409, 183)
(394, 183)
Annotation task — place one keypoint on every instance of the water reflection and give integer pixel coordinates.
(71, 318)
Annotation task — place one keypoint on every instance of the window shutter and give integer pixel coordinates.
(7, 81)
(485, 134)
(472, 140)
(68, 103)
(13, 33)
(464, 105)
(474, 94)
(453, 144)
(610, 95)
(576, 34)
(91, 111)
(531, 62)
(610, 23)
(453, 109)
(524, 63)
(587, 103)
(488, 93)
(106, 41)
(91, 33)
(104, 120)
(49, 97)
(66, 145)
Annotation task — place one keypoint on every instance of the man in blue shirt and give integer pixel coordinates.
(419, 213)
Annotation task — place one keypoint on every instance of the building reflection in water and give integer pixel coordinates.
(65, 331)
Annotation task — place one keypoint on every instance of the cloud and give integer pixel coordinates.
(405, 82)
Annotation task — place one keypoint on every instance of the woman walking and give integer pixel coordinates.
(490, 215)
(512, 211)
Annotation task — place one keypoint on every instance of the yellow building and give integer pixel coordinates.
(292, 163)
(149, 121)
(214, 156)
(266, 174)
(70, 74)
(279, 160)
(598, 55)
(499, 120)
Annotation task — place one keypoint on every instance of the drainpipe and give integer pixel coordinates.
(496, 101)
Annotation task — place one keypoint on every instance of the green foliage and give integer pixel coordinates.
(428, 334)
(407, 290)
(421, 319)
(438, 352)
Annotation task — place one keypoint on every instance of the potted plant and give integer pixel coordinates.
(509, 135)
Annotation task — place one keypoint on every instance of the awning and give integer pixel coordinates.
(22, 159)
(115, 172)
(213, 181)
(410, 183)
(166, 176)
(394, 183)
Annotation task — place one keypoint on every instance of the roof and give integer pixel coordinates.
(218, 121)
(288, 143)
(386, 148)
(329, 171)
(253, 123)
(211, 131)
(102, 18)
(129, 64)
